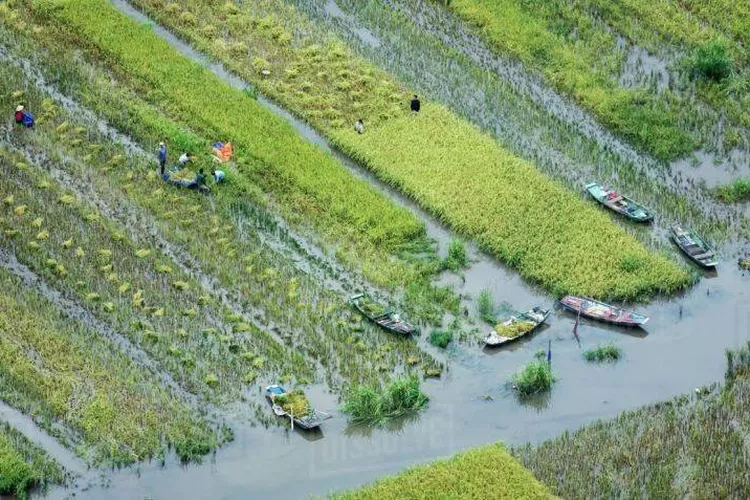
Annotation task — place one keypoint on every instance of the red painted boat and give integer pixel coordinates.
(594, 309)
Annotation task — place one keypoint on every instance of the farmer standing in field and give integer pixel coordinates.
(415, 104)
(162, 154)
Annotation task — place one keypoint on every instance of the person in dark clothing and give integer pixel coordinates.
(415, 104)
(200, 178)
(162, 154)
(19, 115)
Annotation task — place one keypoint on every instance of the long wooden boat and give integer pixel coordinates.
(594, 309)
(619, 203)
(517, 326)
(693, 246)
(381, 316)
(311, 420)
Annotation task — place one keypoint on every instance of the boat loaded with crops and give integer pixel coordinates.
(517, 326)
(619, 203)
(694, 246)
(295, 405)
(594, 309)
(381, 316)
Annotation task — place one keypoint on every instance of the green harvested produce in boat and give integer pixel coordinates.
(294, 402)
(513, 330)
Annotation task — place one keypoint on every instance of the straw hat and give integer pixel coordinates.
(19, 108)
(161, 144)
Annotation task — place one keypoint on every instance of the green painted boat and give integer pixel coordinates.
(693, 246)
(619, 203)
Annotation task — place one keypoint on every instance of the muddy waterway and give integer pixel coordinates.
(681, 348)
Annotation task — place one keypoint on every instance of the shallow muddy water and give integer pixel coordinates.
(681, 348)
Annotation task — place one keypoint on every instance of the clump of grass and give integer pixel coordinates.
(534, 378)
(486, 306)
(441, 338)
(603, 353)
(457, 258)
(23, 465)
(712, 61)
(375, 406)
(734, 192)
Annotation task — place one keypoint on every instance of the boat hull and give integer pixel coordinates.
(620, 204)
(593, 309)
(496, 340)
(694, 247)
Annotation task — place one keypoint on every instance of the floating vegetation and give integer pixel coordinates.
(534, 378)
(457, 257)
(486, 306)
(375, 406)
(441, 338)
(607, 353)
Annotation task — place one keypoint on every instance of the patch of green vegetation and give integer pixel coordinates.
(294, 403)
(734, 192)
(604, 353)
(534, 378)
(489, 472)
(23, 465)
(441, 338)
(712, 61)
(375, 406)
(689, 447)
(486, 306)
(457, 257)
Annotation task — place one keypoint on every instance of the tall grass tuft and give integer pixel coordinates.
(441, 338)
(486, 307)
(734, 192)
(375, 406)
(457, 257)
(603, 353)
(534, 378)
(712, 61)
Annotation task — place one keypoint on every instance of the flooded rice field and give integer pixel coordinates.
(681, 348)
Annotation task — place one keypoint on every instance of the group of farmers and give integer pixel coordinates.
(222, 153)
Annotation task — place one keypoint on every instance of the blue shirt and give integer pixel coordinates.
(219, 175)
(162, 153)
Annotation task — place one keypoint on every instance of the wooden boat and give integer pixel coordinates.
(522, 325)
(311, 420)
(594, 309)
(381, 316)
(693, 246)
(619, 203)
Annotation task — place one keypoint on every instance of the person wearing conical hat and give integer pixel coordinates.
(19, 114)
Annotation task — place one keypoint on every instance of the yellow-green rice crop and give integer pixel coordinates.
(488, 472)
(460, 175)
(510, 208)
(63, 372)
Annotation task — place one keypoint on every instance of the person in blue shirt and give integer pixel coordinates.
(218, 175)
(162, 154)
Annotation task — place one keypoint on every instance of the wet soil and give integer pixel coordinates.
(681, 348)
